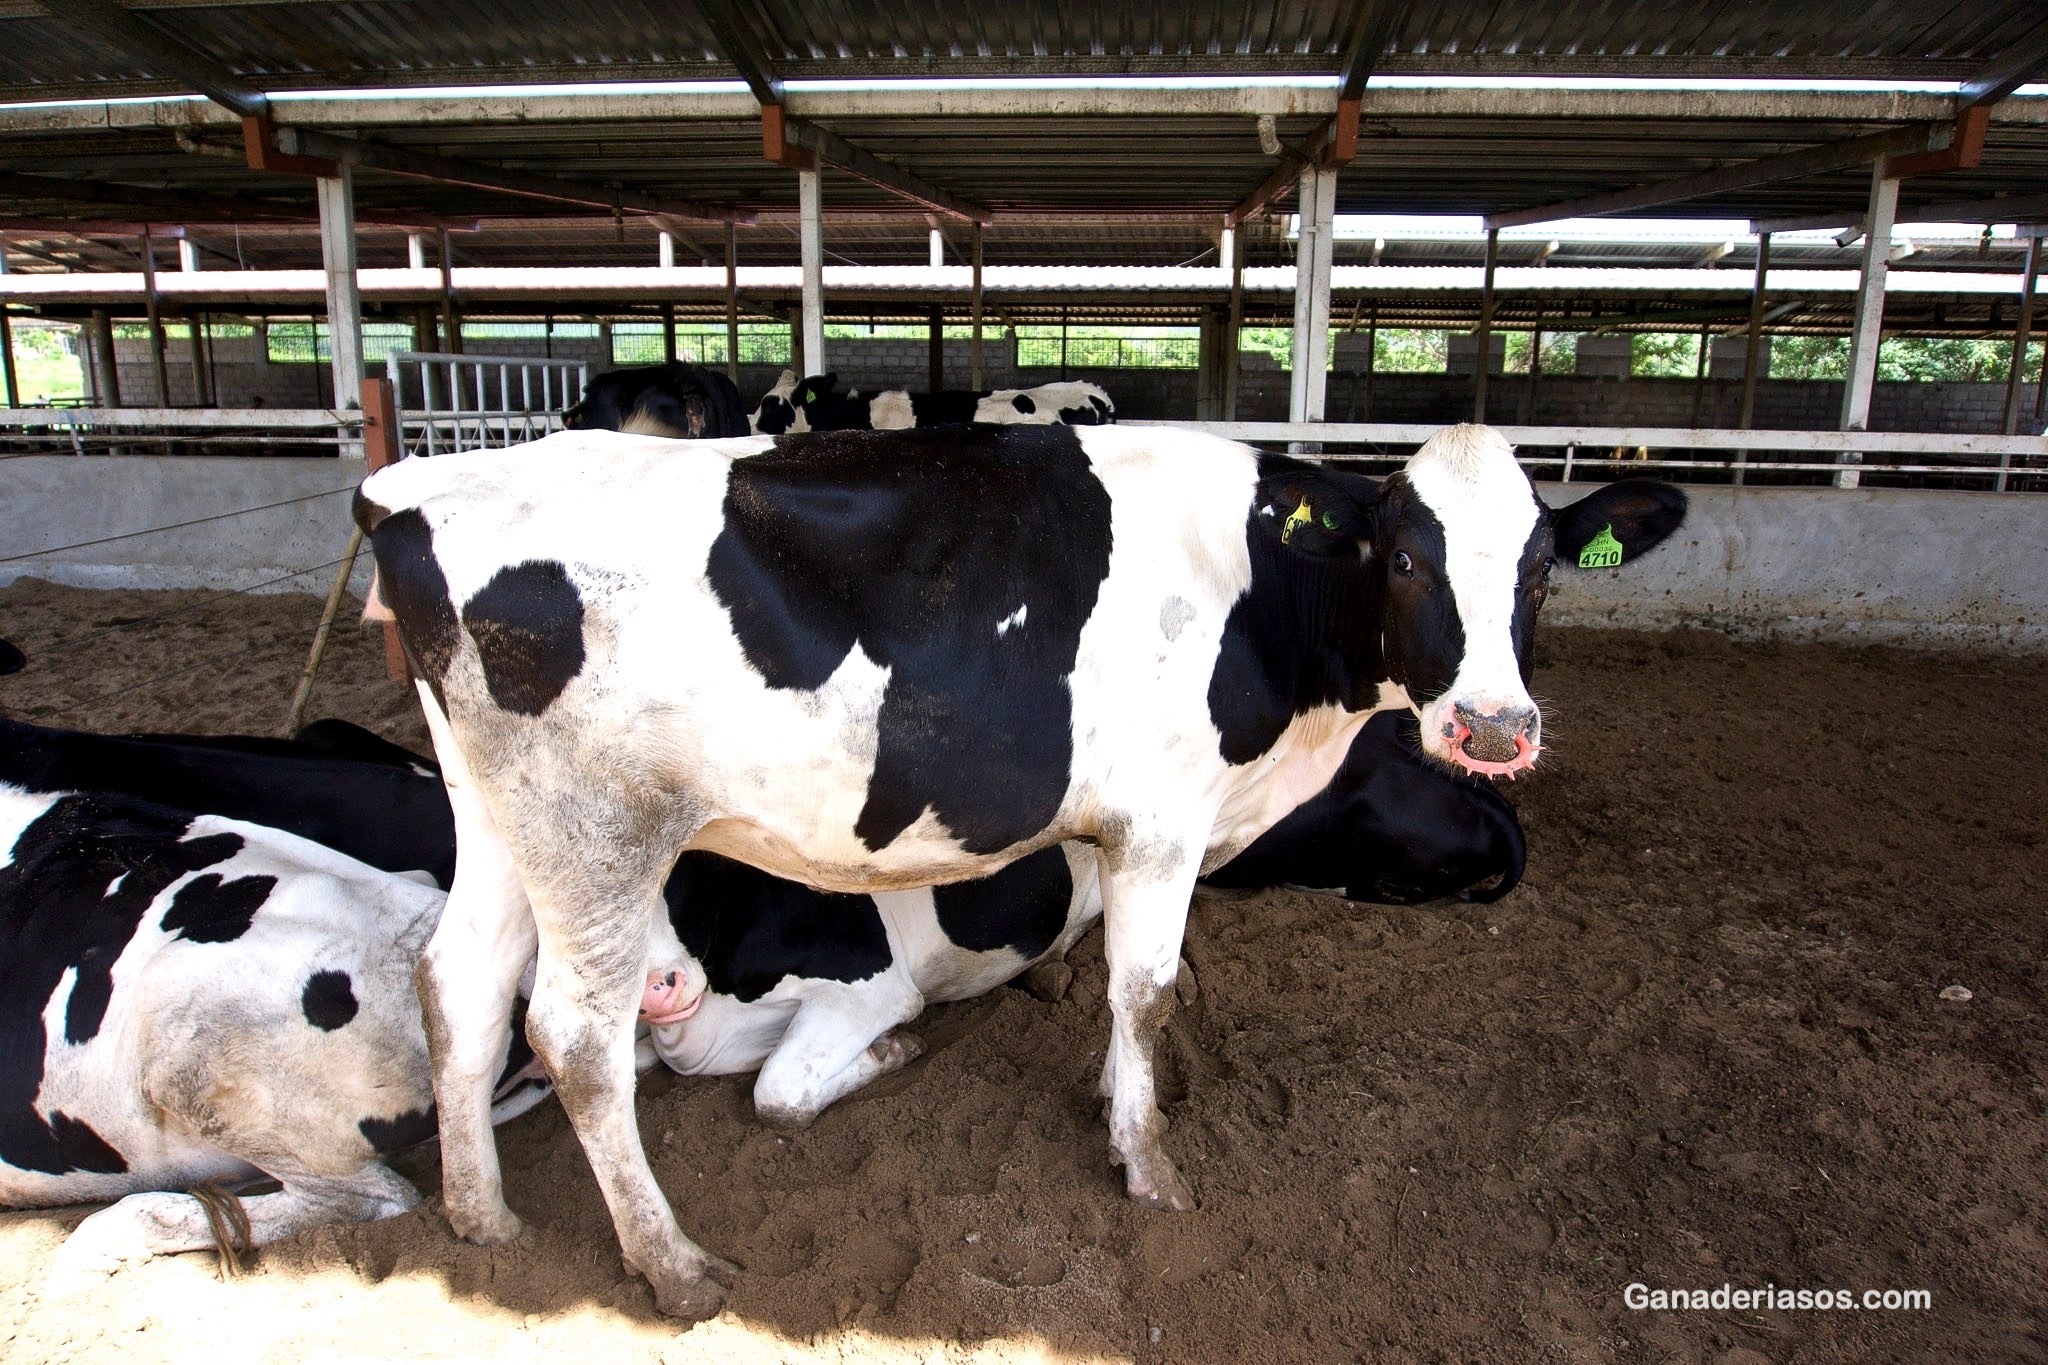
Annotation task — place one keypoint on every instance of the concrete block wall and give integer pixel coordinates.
(1901, 565)
(1601, 393)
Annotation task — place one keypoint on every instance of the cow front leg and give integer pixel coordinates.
(842, 1038)
(1145, 896)
(467, 977)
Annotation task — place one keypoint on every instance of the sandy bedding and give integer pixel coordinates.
(1702, 1043)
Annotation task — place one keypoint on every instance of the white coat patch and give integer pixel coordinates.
(1012, 621)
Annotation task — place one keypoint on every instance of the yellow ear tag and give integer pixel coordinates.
(1300, 516)
(1602, 551)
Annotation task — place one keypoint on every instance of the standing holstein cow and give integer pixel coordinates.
(875, 660)
(187, 998)
(815, 405)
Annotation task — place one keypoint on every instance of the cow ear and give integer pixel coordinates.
(1617, 523)
(1317, 512)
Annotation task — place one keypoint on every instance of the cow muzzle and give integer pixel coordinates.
(1485, 739)
(669, 998)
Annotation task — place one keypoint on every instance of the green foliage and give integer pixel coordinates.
(1397, 350)
(697, 343)
(1664, 355)
(45, 363)
(1560, 352)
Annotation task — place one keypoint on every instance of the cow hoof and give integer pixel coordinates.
(486, 1230)
(698, 1296)
(896, 1049)
(1048, 981)
(1164, 1190)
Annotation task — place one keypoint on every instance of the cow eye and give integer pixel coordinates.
(1403, 565)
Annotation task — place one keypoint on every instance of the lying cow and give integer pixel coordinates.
(873, 661)
(814, 405)
(186, 999)
(674, 400)
(1390, 827)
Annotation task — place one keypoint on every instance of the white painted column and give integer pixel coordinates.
(666, 256)
(344, 302)
(416, 250)
(811, 234)
(1232, 356)
(1310, 381)
(188, 255)
(938, 249)
(1868, 329)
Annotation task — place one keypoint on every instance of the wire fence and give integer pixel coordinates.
(128, 628)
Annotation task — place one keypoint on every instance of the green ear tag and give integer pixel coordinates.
(1300, 516)
(1602, 551)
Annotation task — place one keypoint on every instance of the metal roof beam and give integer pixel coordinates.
(1808, 161)
(2014, 67)
(2018, 208)
(174, 203)
(418, 165)
(801, 146)
(137, 37)
(738, 44)
(1376, 22)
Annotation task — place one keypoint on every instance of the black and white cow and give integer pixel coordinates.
(876, 660)
(335, 784)
(192, 998)
(815, 405)
(1392, 826)
(674, 400)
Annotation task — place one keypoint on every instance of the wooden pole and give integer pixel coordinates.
(1753, 348)
(935, 348)
(1699, 376)
(451, 326)
(7, 356)
(156, 321)
(1485, 336)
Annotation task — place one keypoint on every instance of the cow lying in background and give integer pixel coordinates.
(808, 986)
(188, 998)
(1391, 827)
(686, 402)
(814, 405)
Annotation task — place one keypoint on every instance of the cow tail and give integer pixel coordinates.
(229, 1223)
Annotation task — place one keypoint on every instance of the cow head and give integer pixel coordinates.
(1459, 553)
(785, 408)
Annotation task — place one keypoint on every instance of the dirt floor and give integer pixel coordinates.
(1705, 1043)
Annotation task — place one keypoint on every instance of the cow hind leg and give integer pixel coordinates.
(1144, 917)
(593, 922)
(837, 1043)
(467, 978)
(146, 1225)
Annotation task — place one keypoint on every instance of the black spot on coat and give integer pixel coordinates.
(1022, 403)
(914, 544)
(417, 592)
(749, 930)
(329, 1000)
(72, 893)
(1022, 908)
(400, 1131)
(528, 626)
(210, 910)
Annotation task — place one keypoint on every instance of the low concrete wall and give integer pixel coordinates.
(1875, 565)
(55, 500)
(1804, 563)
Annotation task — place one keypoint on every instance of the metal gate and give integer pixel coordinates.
(447, 403)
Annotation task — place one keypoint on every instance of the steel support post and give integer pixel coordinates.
(2022, 334)
(1484, 361)
(935, 348)
(974, 363)
(1867, 332)
(344, 302)
(1233, 339)
(732, 302)
(451, 324)
(1309, 383)
(1753, 347)
(811, 234)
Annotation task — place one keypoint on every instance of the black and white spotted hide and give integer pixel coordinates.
(191, 998)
